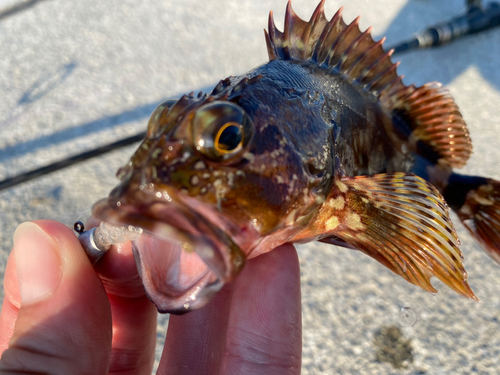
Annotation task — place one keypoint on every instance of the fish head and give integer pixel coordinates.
(214, 176)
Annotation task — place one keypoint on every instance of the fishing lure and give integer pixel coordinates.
(324, 142)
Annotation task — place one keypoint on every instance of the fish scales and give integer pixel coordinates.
(356, 112)
(324, 142)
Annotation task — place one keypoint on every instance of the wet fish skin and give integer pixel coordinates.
(323, 142)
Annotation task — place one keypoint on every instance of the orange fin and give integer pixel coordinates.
(345, 49)
(435, 120)
(481, 215)
(334, 45)
(401, 221)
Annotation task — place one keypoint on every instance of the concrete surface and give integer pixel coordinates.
(74, 75)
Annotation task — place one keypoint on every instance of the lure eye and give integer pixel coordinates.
(221, 131)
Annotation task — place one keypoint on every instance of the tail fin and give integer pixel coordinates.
(476, 200)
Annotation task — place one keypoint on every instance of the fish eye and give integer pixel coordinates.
(221, 131)
(229, 138)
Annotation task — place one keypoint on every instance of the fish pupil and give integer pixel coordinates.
(229, 138)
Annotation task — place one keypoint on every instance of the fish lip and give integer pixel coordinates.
(181, 217)
(161, 218)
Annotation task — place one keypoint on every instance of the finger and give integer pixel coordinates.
(63, 322)
(251, 326)
(134, 316)
(264, 333)
(195, 342)
(11, 303)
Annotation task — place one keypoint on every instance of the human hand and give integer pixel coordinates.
(62, 316)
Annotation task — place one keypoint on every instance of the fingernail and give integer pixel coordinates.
(38, 263)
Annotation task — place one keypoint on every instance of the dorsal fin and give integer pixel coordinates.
(344, 49)
(435, 119)
(334, 45)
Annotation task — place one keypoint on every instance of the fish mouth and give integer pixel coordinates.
(182, 258)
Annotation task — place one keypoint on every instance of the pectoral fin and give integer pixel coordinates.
(401, 221)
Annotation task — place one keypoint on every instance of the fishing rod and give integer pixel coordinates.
(476, 19)
(24, 177)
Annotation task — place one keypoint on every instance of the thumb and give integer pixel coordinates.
(61, 312)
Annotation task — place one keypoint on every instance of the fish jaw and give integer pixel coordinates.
(183, 258)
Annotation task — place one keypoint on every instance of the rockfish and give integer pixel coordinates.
(322, 143)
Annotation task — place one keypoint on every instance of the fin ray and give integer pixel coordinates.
(401, 221)
(411, 266)
(335, 45)
(344, 49)
(430, 243)
(480, 213)
(435, 120)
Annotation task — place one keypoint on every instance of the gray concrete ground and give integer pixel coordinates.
(77, 74)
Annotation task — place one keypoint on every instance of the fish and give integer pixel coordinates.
(324, 142)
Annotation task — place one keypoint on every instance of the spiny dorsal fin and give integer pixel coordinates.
(344, 49)
(334, 45)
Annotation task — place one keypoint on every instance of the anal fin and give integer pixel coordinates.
(401, 221)
(480, 213)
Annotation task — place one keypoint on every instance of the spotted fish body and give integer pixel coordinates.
(324, 142)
